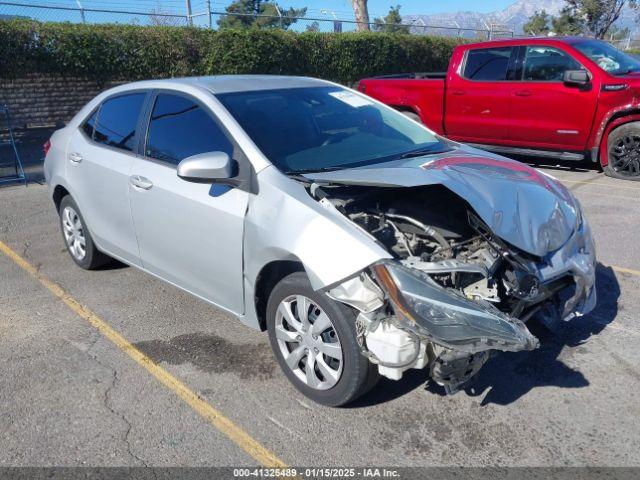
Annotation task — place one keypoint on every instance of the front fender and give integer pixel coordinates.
(606, 131)
(283, 222)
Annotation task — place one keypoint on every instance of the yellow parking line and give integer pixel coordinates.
(582, 182)
(610, 195)
(625, 270)
(236, 434)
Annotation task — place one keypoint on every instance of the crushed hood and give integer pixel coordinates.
(526, 208)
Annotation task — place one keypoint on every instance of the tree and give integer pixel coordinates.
(538, 24)
(567, 23)
(617, 34)
(598, 16)
(259, 14)
(361, 12)
(313, 27)
(391, 23)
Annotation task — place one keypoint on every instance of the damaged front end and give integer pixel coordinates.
(454, 290)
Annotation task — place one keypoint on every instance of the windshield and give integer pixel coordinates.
(311, 129)
(607, 57)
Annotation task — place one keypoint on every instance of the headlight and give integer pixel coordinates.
(448, 318)
(578, 214)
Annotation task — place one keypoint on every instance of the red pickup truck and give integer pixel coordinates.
(566, 98)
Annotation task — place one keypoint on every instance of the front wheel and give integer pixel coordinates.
(623, 150)
(314, 340)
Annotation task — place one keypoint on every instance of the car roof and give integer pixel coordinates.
(525, 40)
(230, 83)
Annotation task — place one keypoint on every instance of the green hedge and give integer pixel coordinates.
(127, 52)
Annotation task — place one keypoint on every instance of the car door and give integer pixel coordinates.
(477, 96)
(190, 234)
(545, 112)
(99, 159)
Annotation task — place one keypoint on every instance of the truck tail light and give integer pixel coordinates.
(46, 147)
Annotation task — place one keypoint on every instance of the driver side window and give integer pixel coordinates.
(180, 128)
(547, 64)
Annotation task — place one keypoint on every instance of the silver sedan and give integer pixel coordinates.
(365, 244)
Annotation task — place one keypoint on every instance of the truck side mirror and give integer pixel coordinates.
(576, 78)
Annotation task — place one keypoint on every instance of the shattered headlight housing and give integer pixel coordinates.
(447, 317)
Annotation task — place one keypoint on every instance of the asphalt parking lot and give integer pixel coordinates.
(71, 396)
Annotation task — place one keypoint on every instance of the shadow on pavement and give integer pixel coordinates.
(509, 376)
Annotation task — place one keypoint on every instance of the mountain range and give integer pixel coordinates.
(511, 18)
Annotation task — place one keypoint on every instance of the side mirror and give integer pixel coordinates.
(206, 167)
(576, 78)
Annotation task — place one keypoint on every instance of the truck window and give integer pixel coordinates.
(547, 64)
(487, 64)
(607, 57)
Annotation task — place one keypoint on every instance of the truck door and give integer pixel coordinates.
(478, 94)
(545, 112)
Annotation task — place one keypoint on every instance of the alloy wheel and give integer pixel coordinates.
(624, 157)
(308, 342)
(74, 233)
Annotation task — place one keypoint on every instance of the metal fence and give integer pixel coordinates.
(626, 43)
(208, 14)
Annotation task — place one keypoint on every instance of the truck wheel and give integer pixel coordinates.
(412, 115)
(623, 150)
(314, 340)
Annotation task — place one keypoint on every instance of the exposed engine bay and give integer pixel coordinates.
(454, 292)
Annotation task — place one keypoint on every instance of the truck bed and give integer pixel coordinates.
(419, 93)
(413, 76)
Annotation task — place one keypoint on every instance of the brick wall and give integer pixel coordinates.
(41, 101)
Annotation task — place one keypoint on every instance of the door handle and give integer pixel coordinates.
(141, 182)
(75, 157)
(524, 93)
(457, 92)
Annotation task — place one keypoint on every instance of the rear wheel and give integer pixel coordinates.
(77, 237)
(314, 341)
(624, 152)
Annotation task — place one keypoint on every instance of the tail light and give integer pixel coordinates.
(46, 147)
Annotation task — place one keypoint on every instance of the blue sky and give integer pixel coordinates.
(316, 8)
(408, 6)
(339, 6)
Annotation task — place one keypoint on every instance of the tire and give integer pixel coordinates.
(623, 149)
(74, 232)
(356, 374)
(412, 115)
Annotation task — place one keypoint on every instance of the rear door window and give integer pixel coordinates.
(117, 121)
(546, 64)
(487, 64)
(179, 128)
(89, 124)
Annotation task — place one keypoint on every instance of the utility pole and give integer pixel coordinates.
(84, 19)
(209, 14)
(279, 14)
(189, 16)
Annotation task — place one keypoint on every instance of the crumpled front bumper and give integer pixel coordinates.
(447, 318)
(576, 258)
